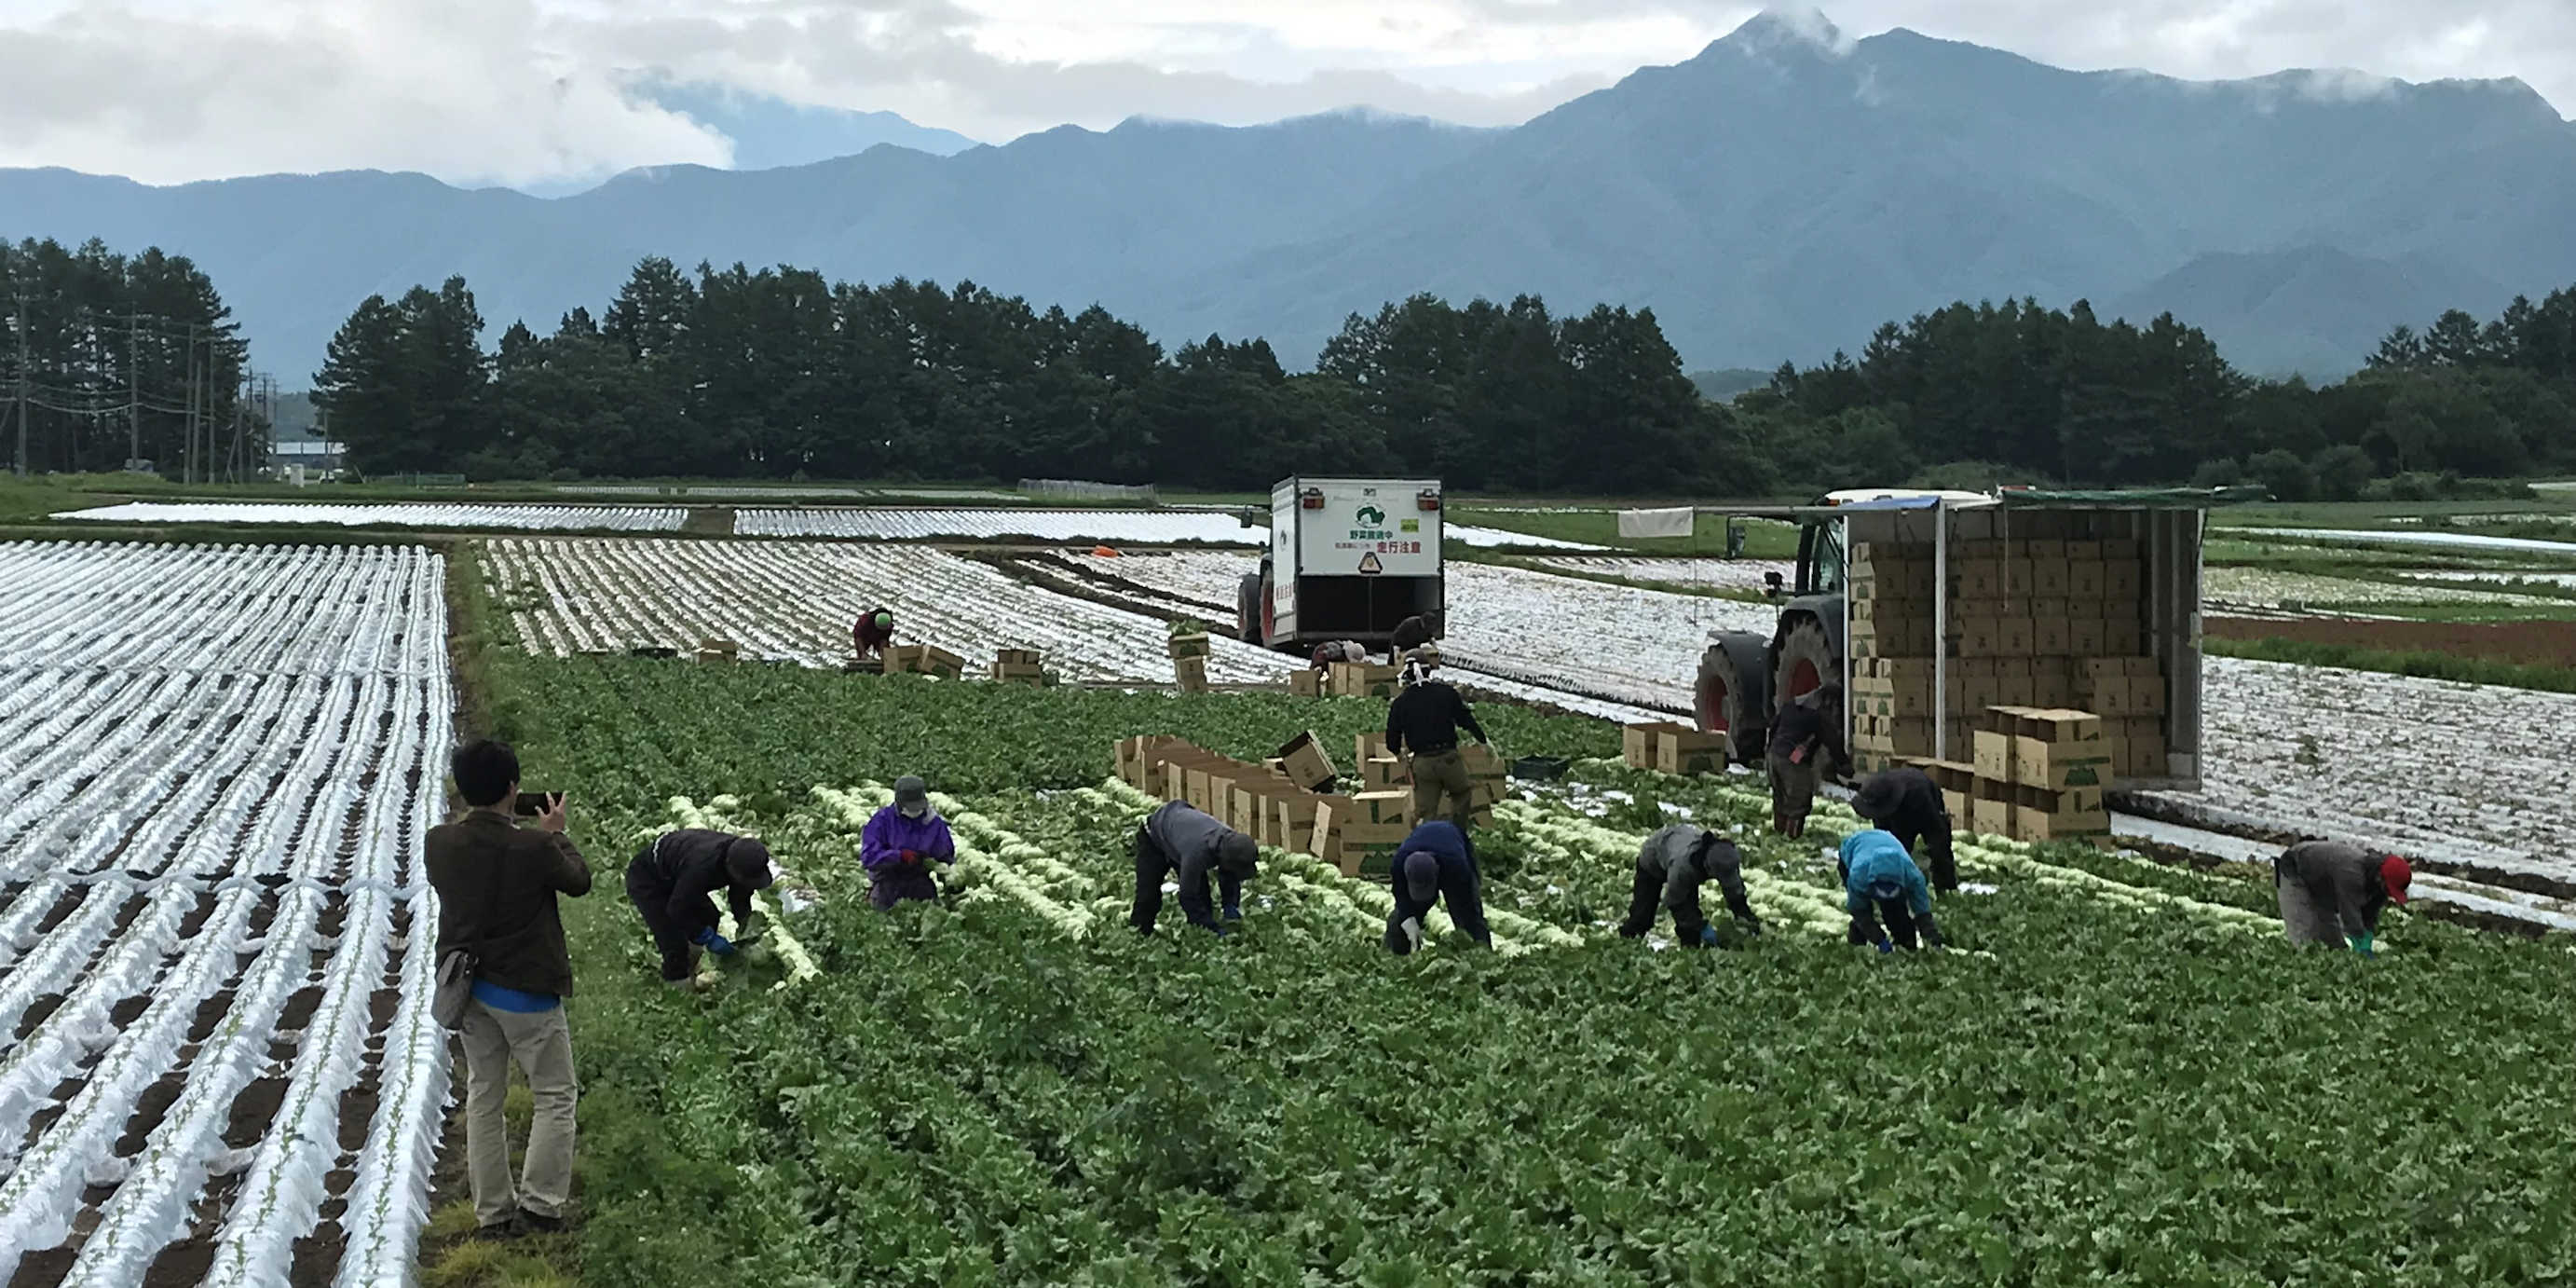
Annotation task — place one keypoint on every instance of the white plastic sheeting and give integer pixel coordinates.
(196, 724)
(427, 516)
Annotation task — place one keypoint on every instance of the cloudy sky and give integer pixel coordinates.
(527, 92)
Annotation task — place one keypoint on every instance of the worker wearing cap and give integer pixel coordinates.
(1806, 744)
(1410, 634)
(1671, 867)
(1881, 883)
(1193, 844)
(900, 843)
(672, 882)
(873, 633)
(1435, 866)
(2332, 893)
(1905, 804)
(1422, 725)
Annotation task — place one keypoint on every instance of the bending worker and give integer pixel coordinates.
(672, 883)
(1881, 882)
(1905, 804)
(874, 633)
(1423, 722)
(1670, 869)
(1806, 744)
(1435, 866)
(1193, 844)
(1331, 651)
(2332, 892)
(1410, 634)
(900, 843)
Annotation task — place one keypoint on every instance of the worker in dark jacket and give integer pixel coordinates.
(1422, 724)
(672, 883)
(1882, 883)
(1435, 866)
(1806, 745)
(1331, 651)
(1671, 867)
(873, 633)
(2332, 893)
(1905, 804)
(497, 883)
(1178, 839)
(1410, 634)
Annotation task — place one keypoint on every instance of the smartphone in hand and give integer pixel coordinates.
(533, 804)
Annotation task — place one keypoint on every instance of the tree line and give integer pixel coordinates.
(780, 373)
(114, 357)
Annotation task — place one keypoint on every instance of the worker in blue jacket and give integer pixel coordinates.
(1880, 882)
(1436, 865)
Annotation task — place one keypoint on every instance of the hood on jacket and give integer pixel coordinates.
(1873, 856)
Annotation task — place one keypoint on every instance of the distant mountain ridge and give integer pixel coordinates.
(1775, 197)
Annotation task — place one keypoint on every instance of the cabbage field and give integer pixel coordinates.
(2120, 1072)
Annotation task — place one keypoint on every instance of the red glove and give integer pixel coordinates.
(912, 857)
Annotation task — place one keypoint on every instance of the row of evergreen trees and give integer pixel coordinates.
(781, 373)
(110, 355)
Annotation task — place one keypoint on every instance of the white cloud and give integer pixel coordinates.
(524, 91)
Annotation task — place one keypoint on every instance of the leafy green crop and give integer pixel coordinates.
(966, 1093)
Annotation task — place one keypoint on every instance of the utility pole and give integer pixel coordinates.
(133, 390)
(22, 386)
(188, 453)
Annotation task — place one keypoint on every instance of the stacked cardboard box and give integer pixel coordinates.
(1670, 748)
(1306, 684)
(924, 659)
(1276, 803)
(2034, 621)
(2039, 775)
(714, 650)
(1363, 680)
(1019, 666)
(1189, 654)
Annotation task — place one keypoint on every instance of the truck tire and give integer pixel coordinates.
(1807, 663)
(1721, 699)
(1248, 602)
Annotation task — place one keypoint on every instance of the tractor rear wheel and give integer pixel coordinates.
(1807, 663)
(1720, 698)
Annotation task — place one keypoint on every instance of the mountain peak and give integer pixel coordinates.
(1790, 26)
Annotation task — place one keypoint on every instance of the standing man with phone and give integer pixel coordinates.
(496, 884)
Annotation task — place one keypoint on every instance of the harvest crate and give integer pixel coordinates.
(1363, 680)
(1306, 684)
(1186, 646)
(1018, 657)
(1683, 750)
(924, 659)
(1190, 673)
(715, 650)
(1305, 762)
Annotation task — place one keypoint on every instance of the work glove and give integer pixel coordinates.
(1885, 947)
(912, 858)
(1234, 912)
(2361, 944)
(1707, 935)
(1412, 929)
(711, 941)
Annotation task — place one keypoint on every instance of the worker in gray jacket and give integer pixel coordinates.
(1670, 869)
(1178, 839)
(2332, 893)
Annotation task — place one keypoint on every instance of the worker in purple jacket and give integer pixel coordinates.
(899, 844)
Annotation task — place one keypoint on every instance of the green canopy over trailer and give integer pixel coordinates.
(1939, 561)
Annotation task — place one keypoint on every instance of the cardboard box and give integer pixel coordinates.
(2052, 689)
(1994, 755)
(2055, 750)
(2147, 695)
(1306, 684)
(1363, 680)
(2014, 637)
(2050, 578)
(2083, 637)
(2120, 579)
(1908, 737)
(2106, 698)
(1991, 817)
(1305, 763)
(1979, 637)
(1369, 745)
(719, 651)
(1181, 646)
(1382, 774)
(2084, 579)
(2044, 815)
(2020, 689)
(1247, 814)
(2123, 638)
(2050, 636)
(1638, 743)
(1019, 657)
(2084, 550)
(1960, 805)
(1383, 807)
(2119, 548)
(2044, 548)
(1976, 578)
(1190, 673)
(1682, 750)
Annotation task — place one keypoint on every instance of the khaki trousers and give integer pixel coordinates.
(1435, 776)
(540, 1043)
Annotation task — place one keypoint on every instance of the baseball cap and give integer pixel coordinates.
(2396, 874)
(1237, 853)
(1422, 875)
(909, 791)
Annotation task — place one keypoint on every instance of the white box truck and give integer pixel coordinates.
(1349, 559)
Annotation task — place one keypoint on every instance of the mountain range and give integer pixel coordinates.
(1776, 197)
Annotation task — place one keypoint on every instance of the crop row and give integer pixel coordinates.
(424, 516)
(212, 884)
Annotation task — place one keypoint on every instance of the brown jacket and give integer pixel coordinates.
(496, 886)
